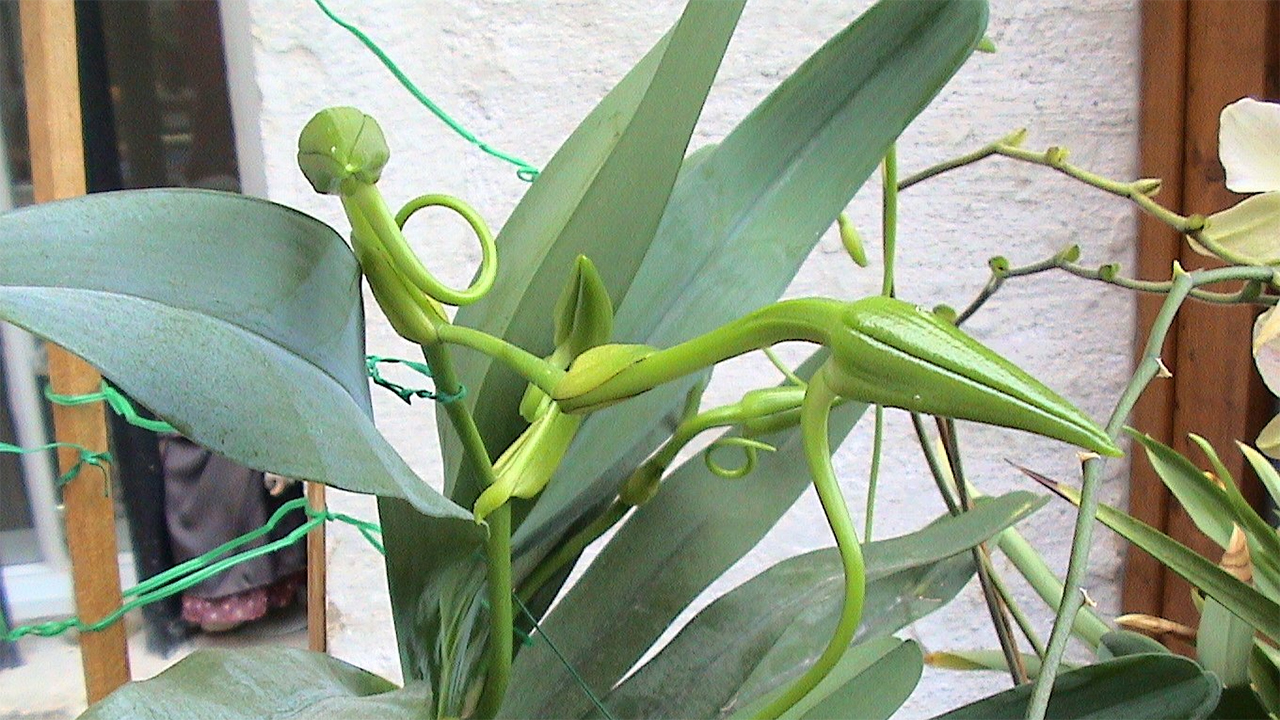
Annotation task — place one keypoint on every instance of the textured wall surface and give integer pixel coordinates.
(521, 74)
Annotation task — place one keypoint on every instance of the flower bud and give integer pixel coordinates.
(892, 353)
(594, 368)
(339, 146)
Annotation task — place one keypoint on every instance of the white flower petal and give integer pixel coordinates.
(1266, 348)
(1249, 145)
(1250, 228)
(1269, 439)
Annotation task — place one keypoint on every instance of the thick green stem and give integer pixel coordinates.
(498, 545)
(807, 319)
(541, 373)
(1148, 368)
(814, 416)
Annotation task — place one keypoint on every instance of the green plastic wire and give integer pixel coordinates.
(87, 457)
(524, 171)
(408, 394)
(196, 570)
(563, 660)
(116, 401)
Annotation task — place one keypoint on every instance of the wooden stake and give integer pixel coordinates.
(317, 610)
(57, 168)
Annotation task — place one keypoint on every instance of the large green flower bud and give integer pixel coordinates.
(896, 354)
(341, 147)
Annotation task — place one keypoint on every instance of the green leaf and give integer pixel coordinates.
(1133, 687)
(758, 636)
(1203, 500)
(1119, 643)
(235, 319)
(1238, 702)
(1243, 600)
(742, 221)
(602, 196)
(871, 681)
(662, 557)
(263, 683)
(1224, 644)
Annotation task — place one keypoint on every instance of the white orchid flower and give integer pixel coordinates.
(1249, 148)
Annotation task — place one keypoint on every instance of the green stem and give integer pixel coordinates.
(1088, 626)
(541, 373)
(999, 619)
(1250, 293)
(807, 319)
(889, 218)
(940, 479)
(1011, 604)
(815, 414)
(498, 544)
(1148, 368)
(877, 447)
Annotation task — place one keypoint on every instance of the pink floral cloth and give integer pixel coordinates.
(238, 608)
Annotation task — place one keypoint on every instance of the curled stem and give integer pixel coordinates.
(814, 416)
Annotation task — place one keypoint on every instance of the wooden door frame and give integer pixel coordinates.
(1197, 57)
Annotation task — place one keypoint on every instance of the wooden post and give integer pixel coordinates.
(317, 609)
(57, 168)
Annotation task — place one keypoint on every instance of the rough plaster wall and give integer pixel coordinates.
(521, 74)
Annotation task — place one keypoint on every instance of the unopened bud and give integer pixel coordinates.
(340, 145)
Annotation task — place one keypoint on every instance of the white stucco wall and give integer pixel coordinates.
(521, 74)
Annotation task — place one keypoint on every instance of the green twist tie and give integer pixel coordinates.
(87, 457)
(192, 572)
(115, 400)
(408, 394)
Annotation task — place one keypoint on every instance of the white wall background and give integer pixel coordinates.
(521, 74)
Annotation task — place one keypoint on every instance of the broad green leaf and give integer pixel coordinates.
(1204, 501)
(1134, 687)
(871, 681)
(1264, 675)
(1238, 702)
(761, 634)
(263, 683)
(235, 319)
(1224, 644)
(1119, 643)
(915, 574)
(1246, 602)
(661, 558)
(742, 221)
(705, 671)
(601, 196)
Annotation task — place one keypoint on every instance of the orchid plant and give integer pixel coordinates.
(582, 347)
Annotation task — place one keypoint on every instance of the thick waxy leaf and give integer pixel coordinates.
(662, 557)
(1243, 600)
(601, 196)
(871, 681)
(1134, 687)
(1119, 643)
(741, 222)
(235, 319)
(264, 683)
